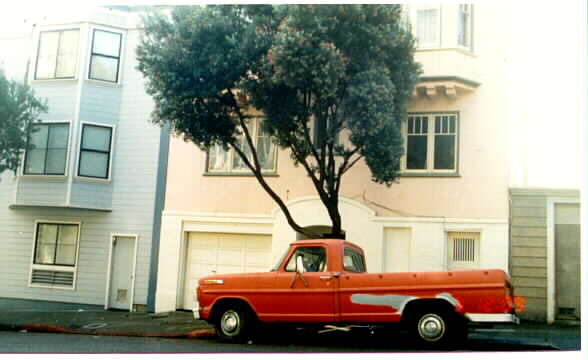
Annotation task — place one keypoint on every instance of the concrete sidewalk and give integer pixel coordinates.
(41, 316)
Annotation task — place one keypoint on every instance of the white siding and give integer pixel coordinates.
(130, 193)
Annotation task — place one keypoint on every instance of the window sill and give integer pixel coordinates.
(429, 174)
(35, 285)
(48, 81)
(232, 174)
(44, 177)
(104, 82)
(92, 180)
(459, 49)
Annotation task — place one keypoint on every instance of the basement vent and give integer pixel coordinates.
(49, 277)
(464, 250)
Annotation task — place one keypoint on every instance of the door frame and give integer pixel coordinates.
(551, 203)
(135, 238)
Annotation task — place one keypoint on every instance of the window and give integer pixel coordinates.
(463, 250)
(105, 56)
(428, 26)
(95, 151)
(57, 54)
(431, 142)
(55, 254)
(47, 149)
(464, 28)
(353, 260)
(228, 161)
(314, 259)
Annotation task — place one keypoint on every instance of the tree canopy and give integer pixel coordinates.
(332, 82)
(19, 110)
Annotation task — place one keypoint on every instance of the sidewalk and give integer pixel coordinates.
(29, 315)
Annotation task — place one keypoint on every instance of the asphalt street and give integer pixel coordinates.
(24, 342)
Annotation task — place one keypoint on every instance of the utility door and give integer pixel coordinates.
(567, 261)
(121, 273)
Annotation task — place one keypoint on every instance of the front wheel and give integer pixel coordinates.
(233, 324)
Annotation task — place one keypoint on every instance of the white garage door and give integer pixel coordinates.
(209, 253)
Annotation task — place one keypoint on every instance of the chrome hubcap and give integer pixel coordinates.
(431, 327)
(230, 322)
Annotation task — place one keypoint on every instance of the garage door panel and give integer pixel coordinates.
(258, 243)
(223, 253)
(257, 268)
(230, 257)
(258, 258)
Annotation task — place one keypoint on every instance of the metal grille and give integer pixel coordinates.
(464, 249)
(49, 277)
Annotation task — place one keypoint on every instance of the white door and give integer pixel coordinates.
(567, 261)
(210, 253)
(397, 250)
(121, 273)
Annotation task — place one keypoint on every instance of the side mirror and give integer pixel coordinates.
(299, 264)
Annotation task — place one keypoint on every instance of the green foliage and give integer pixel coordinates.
(19, 110)
(346, 70)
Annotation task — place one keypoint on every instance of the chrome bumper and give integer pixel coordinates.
(493, 318)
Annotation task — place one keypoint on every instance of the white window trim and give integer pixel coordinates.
(73, 269)
(231, 151)
(470, 48)
(430, 170)
(551, 289)
(89, 54)
(21, 172)
(109, 269)
(79, 151)
(414, 16)
(35, 52)
(477, 251)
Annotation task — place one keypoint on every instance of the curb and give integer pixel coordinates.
(44, 328)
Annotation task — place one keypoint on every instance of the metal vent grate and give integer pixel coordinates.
(464, 249)
(49, 277)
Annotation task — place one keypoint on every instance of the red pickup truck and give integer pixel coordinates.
(324, 283)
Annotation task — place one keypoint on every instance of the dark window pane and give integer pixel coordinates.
(452, 124)
(444, 152)
(46, 242)
(444, 124)
(417, 128)
(416, 157)
(437, 124)
(425, 123)
(410, 125)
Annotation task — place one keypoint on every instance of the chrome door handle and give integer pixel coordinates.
(329, 277)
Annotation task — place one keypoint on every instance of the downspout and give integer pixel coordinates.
(164, 139)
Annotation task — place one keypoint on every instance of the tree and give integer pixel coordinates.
(331, 80)
(19, 110)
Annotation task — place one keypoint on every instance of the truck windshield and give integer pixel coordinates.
(277, 265)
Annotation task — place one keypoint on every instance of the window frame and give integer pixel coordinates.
(91, 54)
(430, 160)
(469, 28)
(110, 152)
(77, 56)
(231, 153)
(64, 268)
(292, 257)
(67, 152)
(438, 41)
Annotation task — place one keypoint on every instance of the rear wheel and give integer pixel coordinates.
(233, 323)
(437, 328)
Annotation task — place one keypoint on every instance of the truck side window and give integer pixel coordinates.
(313, 258)
(353, 261)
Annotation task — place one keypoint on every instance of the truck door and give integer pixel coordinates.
(308, 296)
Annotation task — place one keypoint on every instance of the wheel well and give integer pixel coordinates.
(222, 304)
(416, 306)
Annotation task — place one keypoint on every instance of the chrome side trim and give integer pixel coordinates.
(497, 318)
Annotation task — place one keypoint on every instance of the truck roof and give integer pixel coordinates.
(325, 241)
